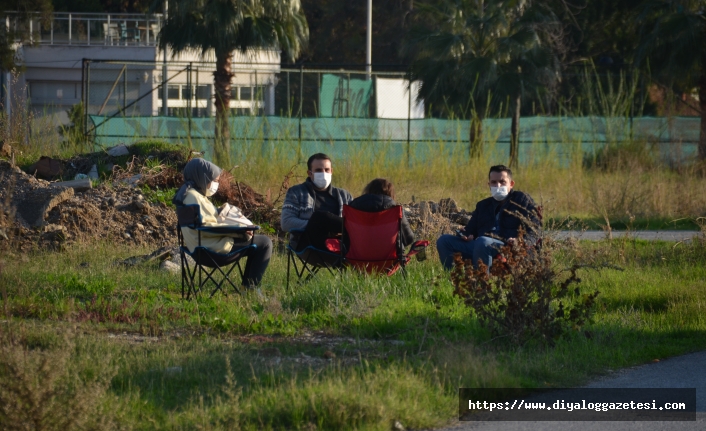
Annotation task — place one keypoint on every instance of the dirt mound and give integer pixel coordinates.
(38, 214)
(116, 212)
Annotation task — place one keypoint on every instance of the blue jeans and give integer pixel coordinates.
(482, 248)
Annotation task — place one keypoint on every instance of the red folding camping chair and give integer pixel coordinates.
(374, 240)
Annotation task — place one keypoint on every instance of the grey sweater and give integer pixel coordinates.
(299, 204)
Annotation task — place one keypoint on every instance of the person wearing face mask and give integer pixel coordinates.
(201, 182)
(495, 221)
(315, 206)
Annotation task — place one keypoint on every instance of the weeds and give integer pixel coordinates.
(41, 389)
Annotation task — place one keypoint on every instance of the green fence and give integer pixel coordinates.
(416, 139)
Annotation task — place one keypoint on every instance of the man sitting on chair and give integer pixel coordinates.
(495, 221)
(315, 206)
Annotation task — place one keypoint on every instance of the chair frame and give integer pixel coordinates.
(203, 257)
(312, 260)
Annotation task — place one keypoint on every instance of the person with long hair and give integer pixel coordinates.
(379, 195)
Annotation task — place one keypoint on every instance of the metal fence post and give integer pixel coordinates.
(301, 99)
(124, 88)
(86, 107)
(189, 80)
(409, 120)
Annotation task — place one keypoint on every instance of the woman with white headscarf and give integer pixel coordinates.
(200, 182)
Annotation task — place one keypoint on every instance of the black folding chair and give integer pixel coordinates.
(309, 260)
(207, 263)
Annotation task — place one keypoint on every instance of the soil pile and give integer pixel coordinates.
(116, 211)
(125, 208)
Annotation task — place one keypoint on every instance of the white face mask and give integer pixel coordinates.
(322, 179)
(212, 189)
(499, 193)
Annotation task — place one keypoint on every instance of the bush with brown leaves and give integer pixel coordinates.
(525, 295)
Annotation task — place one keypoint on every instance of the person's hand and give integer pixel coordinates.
(511, 241)
(467, 238)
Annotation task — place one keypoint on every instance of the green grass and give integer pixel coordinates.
(402, 347)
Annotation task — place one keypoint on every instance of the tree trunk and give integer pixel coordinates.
(221, 82)
(702, 106)
(515, 134)
(475, 148)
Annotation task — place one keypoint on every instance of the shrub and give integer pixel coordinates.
(42, 388)
(524, 295)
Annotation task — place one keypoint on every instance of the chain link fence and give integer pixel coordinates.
(302, 111)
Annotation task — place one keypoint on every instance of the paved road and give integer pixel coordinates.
(688, 371)
(651, 235)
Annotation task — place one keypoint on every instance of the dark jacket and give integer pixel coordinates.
(515, 207)
(299, 204)
(373, 203)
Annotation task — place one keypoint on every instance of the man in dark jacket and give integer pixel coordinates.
(495, 221)
(315, 206)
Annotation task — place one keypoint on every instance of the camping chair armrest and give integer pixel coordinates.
(225, 230)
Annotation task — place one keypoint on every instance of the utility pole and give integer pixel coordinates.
(165, 110)
(369, 42)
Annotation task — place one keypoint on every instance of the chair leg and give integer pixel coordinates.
(289, 262)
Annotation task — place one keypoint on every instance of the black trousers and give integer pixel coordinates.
(321, 226)
(257, 259)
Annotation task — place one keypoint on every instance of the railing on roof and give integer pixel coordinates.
(82, 29)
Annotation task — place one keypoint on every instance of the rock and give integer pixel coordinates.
(329, 355)
(448, 205)
(424, 212)
(93, 173)
(170, 266)
(53, 228)
(117, 151)
(139, 226)
(127, 235)
(47, 168)
(79, 185)
(5, 150)
(140, 204)
(397, 426)
(36, 204)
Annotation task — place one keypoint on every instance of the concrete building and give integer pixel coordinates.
(112, 60)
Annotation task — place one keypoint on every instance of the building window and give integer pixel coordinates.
(173, 92)
(245, 93)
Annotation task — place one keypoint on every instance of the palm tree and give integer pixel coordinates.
(672, 45)
(481, 54)
(224, 26)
